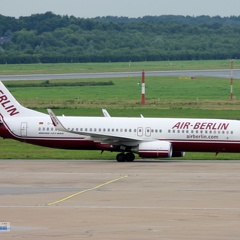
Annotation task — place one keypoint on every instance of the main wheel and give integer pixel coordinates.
(129, 157)
(121, 157)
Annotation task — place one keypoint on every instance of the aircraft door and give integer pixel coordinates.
(140, 131)
(148, 132)
(23, 129)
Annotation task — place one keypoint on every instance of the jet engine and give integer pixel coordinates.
(154, 149)
(178, 154)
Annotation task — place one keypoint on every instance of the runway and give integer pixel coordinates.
(221, 73)
(71, 199)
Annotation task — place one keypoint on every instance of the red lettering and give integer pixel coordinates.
(224, 126)
(209, 125)
(9, 107)
(214, 126)
(186, 125)
(12, 111)
(203, 125)
(4, 103)
(181, 125)
(3, 98)
(177, 125)
(196, 126)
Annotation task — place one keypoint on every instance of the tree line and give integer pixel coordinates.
(51, 38)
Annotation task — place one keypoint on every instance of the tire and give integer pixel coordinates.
(130, 157)
(121, 157)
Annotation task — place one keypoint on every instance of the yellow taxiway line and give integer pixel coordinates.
(86, 190)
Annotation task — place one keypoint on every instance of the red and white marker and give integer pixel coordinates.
(143, 87)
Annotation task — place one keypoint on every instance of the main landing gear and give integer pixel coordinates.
(128, 157)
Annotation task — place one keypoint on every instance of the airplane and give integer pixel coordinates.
(147, 137)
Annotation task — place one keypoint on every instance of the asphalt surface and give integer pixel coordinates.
(67, 199)
(190, 73)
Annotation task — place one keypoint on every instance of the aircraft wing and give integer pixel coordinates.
(96, 137)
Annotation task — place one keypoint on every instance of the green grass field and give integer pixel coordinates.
(165, 97)
(168, 93)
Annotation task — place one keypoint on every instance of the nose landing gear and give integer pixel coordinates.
(128, 157)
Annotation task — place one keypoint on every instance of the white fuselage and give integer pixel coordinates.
(184, 134)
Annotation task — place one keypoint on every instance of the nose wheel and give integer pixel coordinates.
(128, 157)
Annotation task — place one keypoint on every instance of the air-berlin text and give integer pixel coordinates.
(7, 105)
(201, 125)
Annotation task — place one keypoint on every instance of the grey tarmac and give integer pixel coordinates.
(145, 199)
(221, 73)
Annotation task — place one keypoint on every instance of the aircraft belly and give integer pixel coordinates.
(199, 146)
(64, 143)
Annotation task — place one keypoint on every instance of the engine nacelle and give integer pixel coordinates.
(178, 154)
(154, 149)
